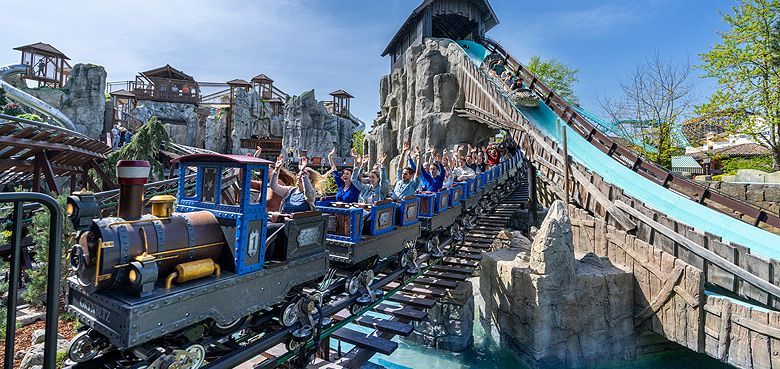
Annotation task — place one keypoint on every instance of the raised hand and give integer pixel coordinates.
(417, 150)
(258, 151)
(332, 152)
(382, 158)
(352, 152)
(431, 149)
(406, 147)
(303, 163)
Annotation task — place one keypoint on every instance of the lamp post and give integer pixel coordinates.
(706, 162)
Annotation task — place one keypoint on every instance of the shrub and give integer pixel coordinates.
(35, 291)
(730, 165)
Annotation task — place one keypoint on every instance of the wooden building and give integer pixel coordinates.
(453, 19)
(340, 104)
(122, 104)
(45, 64)
(166, 84)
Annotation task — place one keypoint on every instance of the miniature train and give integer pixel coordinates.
(155, 289)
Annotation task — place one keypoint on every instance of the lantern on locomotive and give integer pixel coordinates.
(140, 278)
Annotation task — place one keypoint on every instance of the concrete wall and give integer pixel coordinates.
(763, 195)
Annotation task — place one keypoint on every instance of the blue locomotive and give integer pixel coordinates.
(153, 287)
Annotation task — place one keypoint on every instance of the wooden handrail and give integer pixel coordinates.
(646, 168)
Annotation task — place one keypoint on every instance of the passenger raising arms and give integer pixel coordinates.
(347, 192)
(296, 198)
(408, 179)
(431, 179)
(376, 188)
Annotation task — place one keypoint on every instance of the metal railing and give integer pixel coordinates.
(18, 199)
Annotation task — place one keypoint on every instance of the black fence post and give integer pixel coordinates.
(18, 199)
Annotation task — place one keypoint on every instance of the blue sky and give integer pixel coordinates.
(332, 44)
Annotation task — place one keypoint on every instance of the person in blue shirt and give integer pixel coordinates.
(346, 191)
(408, 179)
(432, 180)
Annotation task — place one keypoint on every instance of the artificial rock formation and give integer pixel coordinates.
(252, 117)
(182, 121)
(419, 102)
(556, 310)
(82, 99)
(308, 125)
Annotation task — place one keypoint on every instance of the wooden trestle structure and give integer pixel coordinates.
(30, 151)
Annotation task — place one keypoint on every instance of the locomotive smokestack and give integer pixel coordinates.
(132, 176)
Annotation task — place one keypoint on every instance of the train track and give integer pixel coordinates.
(405, 300)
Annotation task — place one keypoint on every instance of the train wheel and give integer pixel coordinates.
(352, 284)
(289, 314)
(196, 355)
(228, 328)
(432, 246)
(292, 345)
(84, 347)
(355, 308)
(456, 232)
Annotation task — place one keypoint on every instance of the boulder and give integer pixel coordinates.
(82, 99)
(555, 308)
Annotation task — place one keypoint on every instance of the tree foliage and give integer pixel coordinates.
(35, 291)
(146, 144)
(358, 138)
(746, 66)
(556, 76)
(653, 99)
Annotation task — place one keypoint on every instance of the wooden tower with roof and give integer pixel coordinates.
(453, 19)
(264, 86)
(45, 64)
(166, 84)
(340, 102)
(122, 103)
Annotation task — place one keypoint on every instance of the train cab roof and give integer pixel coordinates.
(239, 159)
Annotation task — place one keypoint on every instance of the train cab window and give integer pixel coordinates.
(190, 191)
(256, 194)
(209, 185)
(231, 194)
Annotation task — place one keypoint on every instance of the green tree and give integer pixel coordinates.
(746, 66)
(556, 76)
(146, 144)
(358, 138)
(35, 292)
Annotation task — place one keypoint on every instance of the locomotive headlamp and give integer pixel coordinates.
(81, 208)
(142, 275)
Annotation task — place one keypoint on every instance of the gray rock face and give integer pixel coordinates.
(553, 309)
(251, 117)
(180, 120)
(418, 102)
(82, 99)
(308, 125)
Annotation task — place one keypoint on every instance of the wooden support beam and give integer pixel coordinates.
(48, 173)
(701, 251)
(108, 184)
